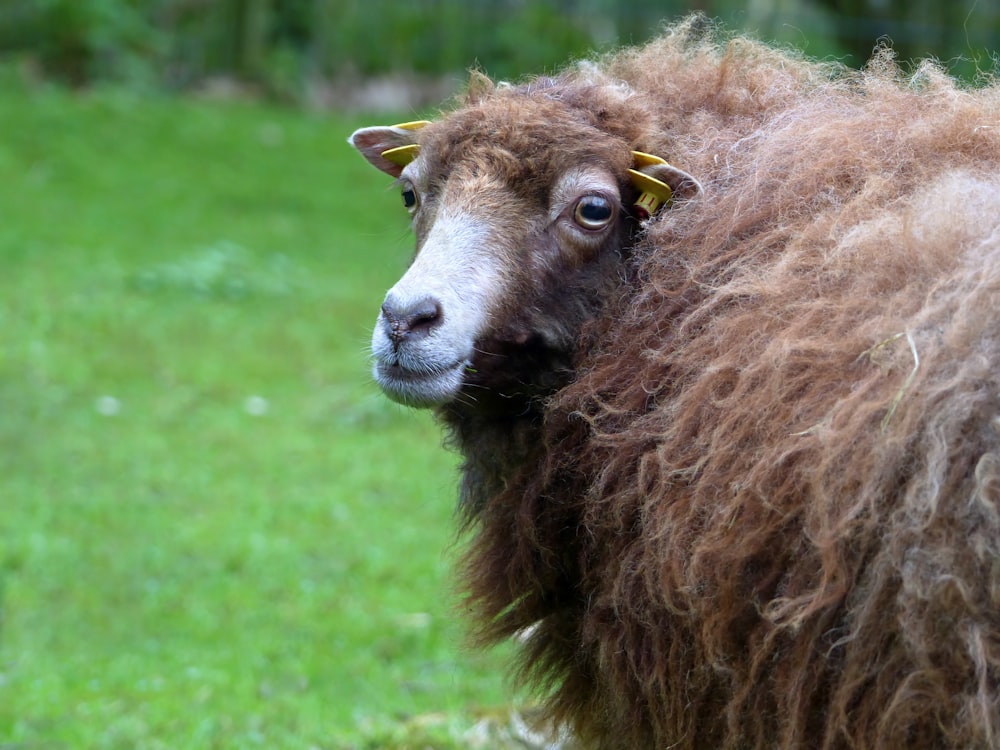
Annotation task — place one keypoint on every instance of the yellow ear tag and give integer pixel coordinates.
(415, 125)
(403, 155)
(653, 193)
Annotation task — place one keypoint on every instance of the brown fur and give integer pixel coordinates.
(761, 507)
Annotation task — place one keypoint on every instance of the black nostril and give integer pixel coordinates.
(419, 318)
(426, 317)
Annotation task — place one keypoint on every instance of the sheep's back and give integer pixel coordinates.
(785, 442)
(766, 513)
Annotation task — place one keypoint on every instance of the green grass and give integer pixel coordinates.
(214, 532)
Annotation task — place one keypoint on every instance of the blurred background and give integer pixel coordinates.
(316, 50)
(214, 530)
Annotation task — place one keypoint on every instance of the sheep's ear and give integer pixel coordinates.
(388, 148)
(684, 185)
(659, 183)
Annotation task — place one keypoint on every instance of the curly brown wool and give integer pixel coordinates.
(757, 503)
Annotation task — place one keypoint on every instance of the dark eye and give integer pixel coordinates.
(409, 198)
(593, 212)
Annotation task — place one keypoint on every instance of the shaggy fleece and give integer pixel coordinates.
(765, 510)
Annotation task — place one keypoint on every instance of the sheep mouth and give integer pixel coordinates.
(419, 388)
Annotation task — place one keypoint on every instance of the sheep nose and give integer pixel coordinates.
(419, 319)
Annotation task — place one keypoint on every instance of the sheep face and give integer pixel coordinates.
(514, 254)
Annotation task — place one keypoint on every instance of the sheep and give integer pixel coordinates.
(732, 464)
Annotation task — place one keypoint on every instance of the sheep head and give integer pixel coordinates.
(522, 206)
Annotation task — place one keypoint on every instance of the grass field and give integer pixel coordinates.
(214, 532)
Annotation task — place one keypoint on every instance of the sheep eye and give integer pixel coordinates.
(409, 198)
(593, 212)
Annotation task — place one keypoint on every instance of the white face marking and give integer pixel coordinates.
(457, 268)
